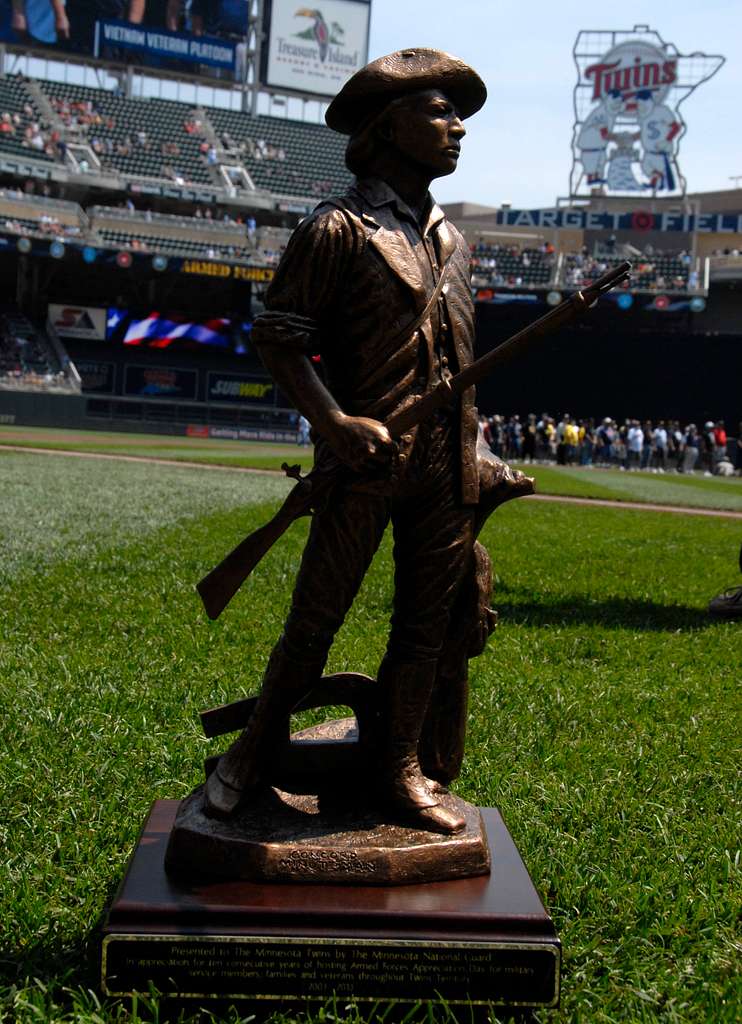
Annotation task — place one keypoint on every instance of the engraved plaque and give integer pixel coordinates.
(366, 970)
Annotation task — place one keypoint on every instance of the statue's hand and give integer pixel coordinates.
(358, 441)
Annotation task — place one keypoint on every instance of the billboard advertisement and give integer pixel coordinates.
(160, 382)
(240, 387)
(85, 322)
(177, 333)
(196, 37)
(96, 376)
(315, 50)
(628, 126)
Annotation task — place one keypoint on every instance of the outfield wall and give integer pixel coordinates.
(81, 412)
(41, 409)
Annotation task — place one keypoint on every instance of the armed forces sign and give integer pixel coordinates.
(628, 126)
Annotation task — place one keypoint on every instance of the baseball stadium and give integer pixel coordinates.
(155, 160)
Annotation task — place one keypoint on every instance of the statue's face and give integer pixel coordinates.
(427, 130)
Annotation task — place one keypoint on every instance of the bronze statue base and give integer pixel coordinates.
(286, 837)
(302, 829)
(472, 943)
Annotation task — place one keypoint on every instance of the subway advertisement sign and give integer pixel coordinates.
(240, 387)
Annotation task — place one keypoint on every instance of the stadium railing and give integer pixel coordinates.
(16, 204)
(179, 235)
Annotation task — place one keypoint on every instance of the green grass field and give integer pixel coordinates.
(605, 718)
(670, 489)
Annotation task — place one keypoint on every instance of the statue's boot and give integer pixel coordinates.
(245, 765)
(407, 687)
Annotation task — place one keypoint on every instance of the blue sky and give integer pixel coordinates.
(518, 148)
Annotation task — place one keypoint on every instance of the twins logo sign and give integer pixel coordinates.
(627, 121)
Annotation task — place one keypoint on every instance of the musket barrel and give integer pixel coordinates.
(572, 306)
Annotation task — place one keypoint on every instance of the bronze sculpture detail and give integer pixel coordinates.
(377, 282)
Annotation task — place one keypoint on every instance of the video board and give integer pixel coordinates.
(156, 330)
(314, 50)
(194, 37)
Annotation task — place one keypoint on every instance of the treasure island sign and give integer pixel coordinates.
(630, 86)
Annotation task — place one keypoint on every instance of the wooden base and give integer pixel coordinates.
(476, 941)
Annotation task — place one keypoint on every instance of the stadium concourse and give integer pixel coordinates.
(137, 237)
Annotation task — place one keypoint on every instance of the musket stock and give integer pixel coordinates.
(219, 587)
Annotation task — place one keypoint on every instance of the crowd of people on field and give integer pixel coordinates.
(659, 446)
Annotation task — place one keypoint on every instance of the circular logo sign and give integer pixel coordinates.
(625, 300)
(697, 304)
(554, 298)
(661, 302)
(89, 254)
(642, 221)
(56, 249)
(159, 262)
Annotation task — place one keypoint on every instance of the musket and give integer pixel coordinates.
(312, 491)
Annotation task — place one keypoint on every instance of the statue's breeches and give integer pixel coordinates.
(433, 539)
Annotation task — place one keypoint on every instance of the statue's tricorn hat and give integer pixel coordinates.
(398, 74)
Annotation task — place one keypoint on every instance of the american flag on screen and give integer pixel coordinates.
(160, 331)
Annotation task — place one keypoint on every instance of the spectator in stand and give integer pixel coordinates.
(561, 451)
(659, 446)
(498, 436)
(587, 442)
(620, 449)
(691, 446)
(529, 439)
(720, 441)
(484, 427)
(606, 437)
(302, 437)
(571, 440)
(647, 442)
(676, 441)
(623, 435)
(738, 450)
(708, 446)
(543, 434)
(514, 437)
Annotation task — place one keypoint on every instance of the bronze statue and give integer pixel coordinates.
(377, 282)
(355, 273)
